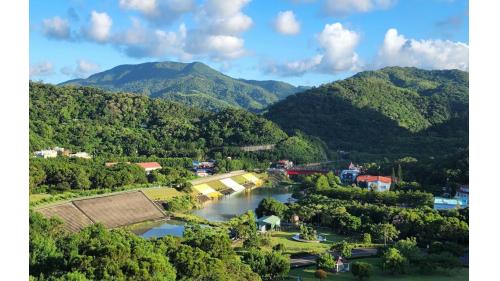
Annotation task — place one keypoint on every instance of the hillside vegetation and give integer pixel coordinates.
(118, 124)
(194, 84)
(400, 111)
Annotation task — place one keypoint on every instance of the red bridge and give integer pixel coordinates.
(304, 171)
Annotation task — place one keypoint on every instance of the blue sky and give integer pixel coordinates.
(304, 42)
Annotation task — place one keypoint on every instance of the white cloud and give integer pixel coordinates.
(56, 28)
(286, 23)
(139, 41)
(83, 69)
(99, 28)
(218, 35)
(337, 53)
(345, 7)
(160, 12)
(431, 54)
(41, 69)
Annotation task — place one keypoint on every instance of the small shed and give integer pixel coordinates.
(268, 223)
(342, 265)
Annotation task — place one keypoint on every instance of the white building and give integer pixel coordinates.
(50, 153)
(375, 183)
(84, 155)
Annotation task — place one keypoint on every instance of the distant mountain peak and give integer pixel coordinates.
(193, 83)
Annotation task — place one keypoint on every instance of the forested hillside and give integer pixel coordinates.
(193, 84)
(394, 111)
(118, 124)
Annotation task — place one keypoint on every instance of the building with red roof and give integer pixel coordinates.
(376, 183)
(149, 166)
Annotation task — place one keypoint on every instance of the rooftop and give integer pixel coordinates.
(369, 178)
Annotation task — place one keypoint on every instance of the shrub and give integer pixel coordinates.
(361, 270)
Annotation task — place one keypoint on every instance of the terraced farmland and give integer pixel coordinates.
(120, 209)
(73, 218)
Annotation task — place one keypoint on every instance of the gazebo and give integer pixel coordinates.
(268, 223)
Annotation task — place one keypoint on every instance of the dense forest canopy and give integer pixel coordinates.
(194, 84)
(117, 124)
(395, 111)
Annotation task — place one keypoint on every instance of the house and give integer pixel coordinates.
(463, 194)
(268, 223)
(149, 166)
(375, 183)
(49, 153)
(83, 155)
(349, 176)
(342, 265)
(441, 203)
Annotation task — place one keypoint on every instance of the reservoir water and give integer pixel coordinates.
(222, 209)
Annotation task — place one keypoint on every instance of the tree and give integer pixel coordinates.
(343, 248)
(325, 261)
(322, 183)
(277, 265)
(270, 206)
(361, 270)
(320, 274)
(408, 248)
(367, 238)
(384, 232)
(400, 173)
(394, 261)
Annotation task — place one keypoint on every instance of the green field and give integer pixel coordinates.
(217, 185)
(162, 193)
(307, 274)
(38, 197)
(239, 179)
(291, 246)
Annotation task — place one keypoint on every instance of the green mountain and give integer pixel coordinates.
(194, 84)
(117, 124)
(393, 111)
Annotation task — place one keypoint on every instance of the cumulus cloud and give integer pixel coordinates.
(41, 69)
(139, 42)
(336, 46)
(160, 12)
(83, 69)
(218, 35)
(56, 28)
(286, 23)
(431, 54)
(99, 27)
(346, 7)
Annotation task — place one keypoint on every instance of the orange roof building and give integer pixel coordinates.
(375, 183)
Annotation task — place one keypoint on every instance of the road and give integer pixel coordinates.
(311, 259)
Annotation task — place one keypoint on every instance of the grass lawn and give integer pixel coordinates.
(162, 193)
(292, 246)
(217, 185)
(307, 274)
(38, 197)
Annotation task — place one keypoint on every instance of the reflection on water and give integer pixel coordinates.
(237, 204)
(171, 227)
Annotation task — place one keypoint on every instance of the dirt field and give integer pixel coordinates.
(121, 209)
(73, 218)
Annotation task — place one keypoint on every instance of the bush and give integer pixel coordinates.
(320, 274)
(325, 261)
(361, 270)
(367, 238)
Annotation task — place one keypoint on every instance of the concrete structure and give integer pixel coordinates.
(49, 153)
(375, 183)
(83, 155)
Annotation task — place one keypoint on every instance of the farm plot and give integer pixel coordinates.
(121, 209)
(161, 194)
(74, 220)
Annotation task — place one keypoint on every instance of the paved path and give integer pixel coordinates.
(311, 259)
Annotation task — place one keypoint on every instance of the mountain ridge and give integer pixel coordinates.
(194, 84)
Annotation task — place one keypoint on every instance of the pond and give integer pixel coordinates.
(237, 204)
(220, 210)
